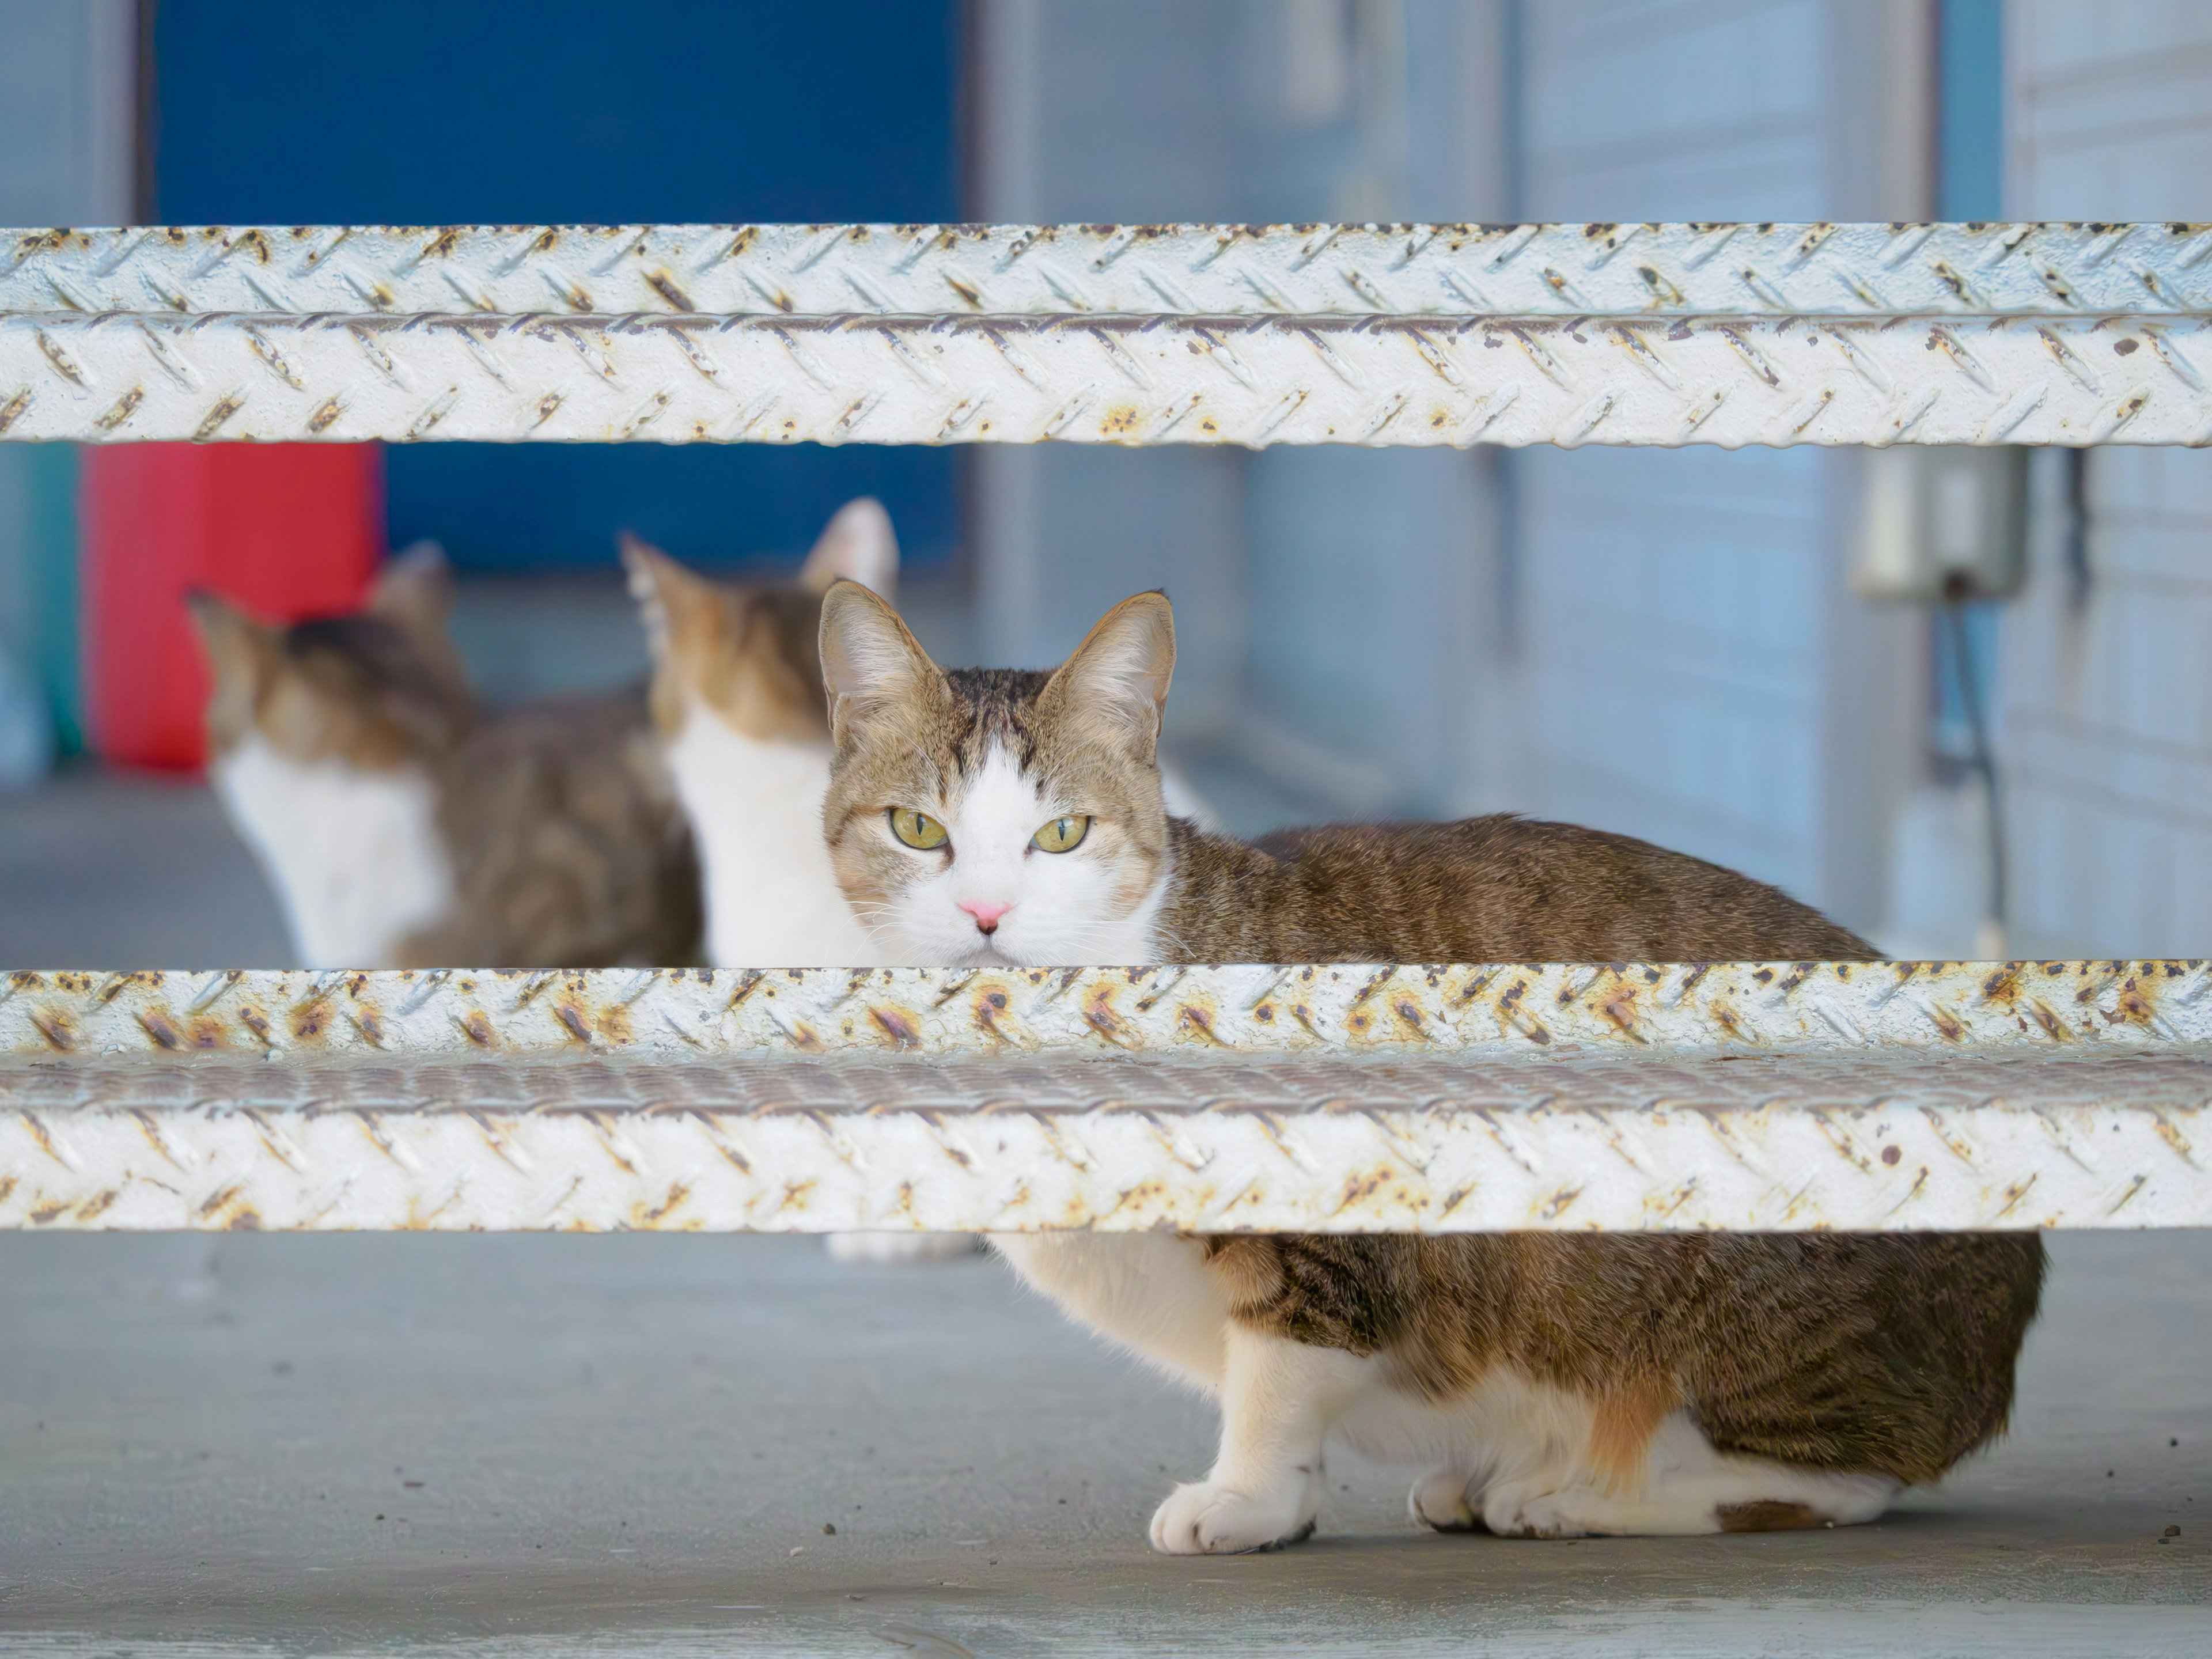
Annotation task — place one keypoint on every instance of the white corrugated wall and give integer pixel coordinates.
(2106, 692)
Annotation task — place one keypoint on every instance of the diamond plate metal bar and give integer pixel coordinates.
(1133, 380)
(1772, 1096)
(1554, 270)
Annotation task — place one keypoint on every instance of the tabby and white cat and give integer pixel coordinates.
(1560, 1384)
(399, 830)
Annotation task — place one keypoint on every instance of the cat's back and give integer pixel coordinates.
(1503, 888)
(570, 846)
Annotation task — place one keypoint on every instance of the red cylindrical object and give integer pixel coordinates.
(285, 531)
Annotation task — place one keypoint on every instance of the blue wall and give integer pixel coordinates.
(273, 112)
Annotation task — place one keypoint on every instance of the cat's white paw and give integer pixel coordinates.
(1521, 1509)
(1439, 1500)
(1208, 1518)
(899, 1248)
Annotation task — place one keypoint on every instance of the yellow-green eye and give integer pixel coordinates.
(1062, 835)
(917, 829)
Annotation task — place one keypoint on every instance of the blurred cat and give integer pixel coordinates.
(401, 828)
(1565, 1384)
(737, 699)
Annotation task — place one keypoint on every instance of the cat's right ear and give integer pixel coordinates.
(859, 544)
(242, 653)
(870, 661)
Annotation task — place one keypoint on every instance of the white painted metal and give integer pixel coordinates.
(1621, 334)
(1188, 270)
(1729, 382)
(1348, 1097)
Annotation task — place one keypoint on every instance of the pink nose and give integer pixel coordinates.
(987, 912)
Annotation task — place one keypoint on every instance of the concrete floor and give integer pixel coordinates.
(494, 1445)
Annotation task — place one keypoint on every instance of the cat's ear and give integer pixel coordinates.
(870, 661)
(1114, 689)
(669, 596)
(414, 593)
(242, 654)
(858, 544)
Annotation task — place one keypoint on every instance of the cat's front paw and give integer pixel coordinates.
(1208, 1518)
(1439, 1500)
(1523, 1510)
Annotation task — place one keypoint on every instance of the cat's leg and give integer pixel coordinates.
(1149, 1292)
(1444, 1499)
(1278, 1398)
(1686, 1486)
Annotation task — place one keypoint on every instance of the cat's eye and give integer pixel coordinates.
(1062, 835)
(917, 829)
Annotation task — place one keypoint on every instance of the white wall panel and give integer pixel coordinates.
(2107, 704)
(1683, 653)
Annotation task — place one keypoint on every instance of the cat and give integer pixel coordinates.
(1563, 1385)
(736, 703)
(738, 699)
(402, 829)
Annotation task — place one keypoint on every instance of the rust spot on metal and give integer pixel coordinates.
(244, 1221)
(121, 410)
(98, 1205)
(1618, 1006)
(56, 1028)
(313, 1023)
(49, 1211)
(478, 1028)
(2125, 347)
(1891, 1154)
(1948, 1024)
(2053, 1027)
(898, 1024)
(1200, 1019)
(220, 1198)
(665, 285)
(573, 1021)
(659, 1213)
(159, 1028)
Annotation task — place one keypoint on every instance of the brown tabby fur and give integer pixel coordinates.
(568, 847)
(1882, 1354)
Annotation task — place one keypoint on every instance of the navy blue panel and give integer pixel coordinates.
(1970, 133)
(557, 110)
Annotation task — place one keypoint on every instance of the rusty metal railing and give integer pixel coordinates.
(1744, 1096)
(1774, 1096)
(1401, 334)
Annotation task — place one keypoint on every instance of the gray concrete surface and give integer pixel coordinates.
(494, 1445)
(103, 869)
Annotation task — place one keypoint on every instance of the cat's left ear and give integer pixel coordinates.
(870, 661)
(1115, 687)
(414, 593)
(858, 544)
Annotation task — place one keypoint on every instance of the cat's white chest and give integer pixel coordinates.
(354, 855)
(756, 810)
